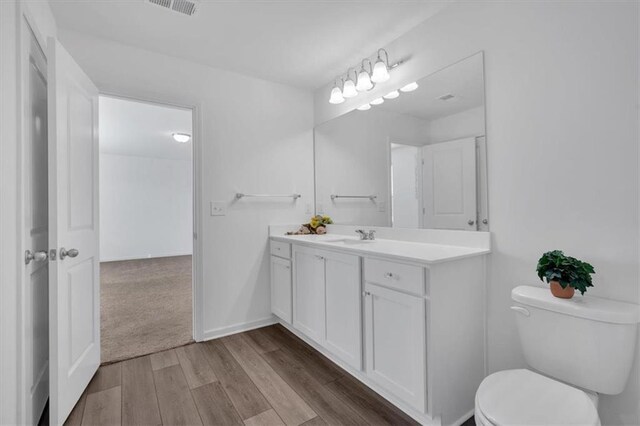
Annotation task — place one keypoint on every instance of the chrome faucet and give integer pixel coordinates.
(366, 235)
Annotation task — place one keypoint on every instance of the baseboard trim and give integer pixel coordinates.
(145, 257)
(238, 328)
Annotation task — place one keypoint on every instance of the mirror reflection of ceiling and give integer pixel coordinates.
(464, 80)
(143, 129)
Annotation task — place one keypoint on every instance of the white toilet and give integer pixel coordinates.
(576, 347)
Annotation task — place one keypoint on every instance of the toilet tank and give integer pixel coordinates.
(586, 341)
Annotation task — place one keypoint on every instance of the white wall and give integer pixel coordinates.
(469, 123)
(562, 143)
(145, 207)
(352, 158)
(255, 136)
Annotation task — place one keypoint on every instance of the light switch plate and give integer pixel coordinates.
(218, 208)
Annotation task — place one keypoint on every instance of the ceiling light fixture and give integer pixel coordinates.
(364, 78)
(381, 68)
(181, 137)
(377, 101)
(336, 94)
(392, 95)
(364, 107)
(349, 88)
(409, 87)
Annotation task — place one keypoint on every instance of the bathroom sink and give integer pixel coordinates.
(352, 242)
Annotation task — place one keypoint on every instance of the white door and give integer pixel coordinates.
(449, 185)
(74, 293)
(343, 334)
(395, 348)
(308, 292)
(35, 233)
(281, 288)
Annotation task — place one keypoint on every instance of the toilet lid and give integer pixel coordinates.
(522, 397)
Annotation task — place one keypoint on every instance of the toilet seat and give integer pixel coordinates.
(522, 397)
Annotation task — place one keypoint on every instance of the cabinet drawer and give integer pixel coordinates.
(281, 249)
(403, 277)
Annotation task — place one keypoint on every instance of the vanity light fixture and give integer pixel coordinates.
(181, 137)
(336, 94)
(409, 87)
(377, 101)
(364, 78)
(349, 88)
(392, 95)
(364, 107)
(381, 68)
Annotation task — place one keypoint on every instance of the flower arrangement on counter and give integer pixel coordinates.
(317, 225)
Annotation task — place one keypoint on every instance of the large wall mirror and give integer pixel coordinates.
(415, 161)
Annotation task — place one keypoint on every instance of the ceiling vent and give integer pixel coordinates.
(446, 97)
(186, 7)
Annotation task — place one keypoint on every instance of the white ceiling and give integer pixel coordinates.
(143, 129)
(464, 80)
(304, 43)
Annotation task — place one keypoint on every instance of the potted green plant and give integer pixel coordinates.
(565, 274)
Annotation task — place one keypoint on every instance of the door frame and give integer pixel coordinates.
(398, 141)
(197, 287)
(26, 26)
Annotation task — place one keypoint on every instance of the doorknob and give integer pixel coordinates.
(471, 222)
(71, 253)
(38, 256)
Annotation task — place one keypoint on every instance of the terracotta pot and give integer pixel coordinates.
(562, 293)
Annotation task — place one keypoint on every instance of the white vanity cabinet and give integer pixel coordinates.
(407, 320)
(308, 293)
(281, 280)
(327, 304)
(395, 335)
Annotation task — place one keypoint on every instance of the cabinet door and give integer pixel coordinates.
(343, 335)
(308, 294)
(395, 343)
(281, 288)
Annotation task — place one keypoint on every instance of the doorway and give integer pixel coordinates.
(146, 227)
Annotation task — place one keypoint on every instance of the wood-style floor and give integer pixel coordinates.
(261, 377)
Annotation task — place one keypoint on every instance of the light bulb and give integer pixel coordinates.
(364, 107)
(392, 95)
(336, 96)
(380, 72)
(364, 82)
(181, 137)
(349, 89)
(409, 87)
(377, 101)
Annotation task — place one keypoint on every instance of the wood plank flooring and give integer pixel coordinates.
(264, 377)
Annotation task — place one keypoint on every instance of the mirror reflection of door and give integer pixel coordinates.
(405, 186)
(449, 185)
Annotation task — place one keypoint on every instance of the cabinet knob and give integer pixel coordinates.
(388, 275)
(366, 293)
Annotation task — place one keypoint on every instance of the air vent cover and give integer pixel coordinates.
(446, 97)
(186, 7)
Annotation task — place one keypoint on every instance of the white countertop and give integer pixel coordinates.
(427, 253)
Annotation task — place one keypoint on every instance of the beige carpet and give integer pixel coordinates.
(145, 306)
